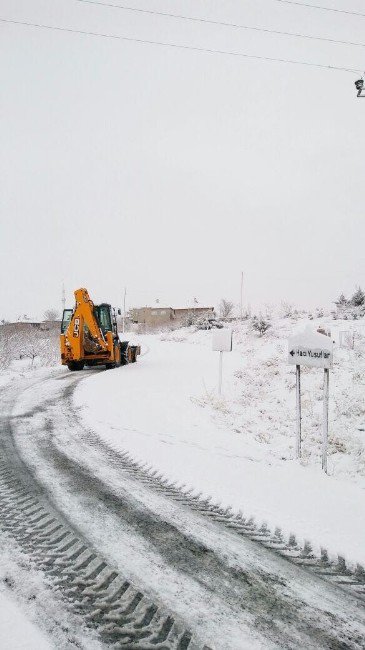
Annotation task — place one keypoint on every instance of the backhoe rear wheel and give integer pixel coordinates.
(75, 365)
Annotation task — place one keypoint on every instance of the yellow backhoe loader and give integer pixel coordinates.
(89, 336)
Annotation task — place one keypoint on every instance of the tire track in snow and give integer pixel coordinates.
(121, 613)
(338, 572)
(265, 601)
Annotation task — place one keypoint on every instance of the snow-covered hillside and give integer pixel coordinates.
(259, 395)
(239, 448)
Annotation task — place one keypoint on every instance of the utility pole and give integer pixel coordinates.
(241, 300)
(63, 297)
(123, 318)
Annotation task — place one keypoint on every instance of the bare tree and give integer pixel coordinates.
(51, 314)
(286, 309)
(32, 344)
(225, 308)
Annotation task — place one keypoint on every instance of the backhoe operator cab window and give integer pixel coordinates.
(67, 315)
(102, 313)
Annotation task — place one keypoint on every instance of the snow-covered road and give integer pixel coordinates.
(165, 412)
(231, 592)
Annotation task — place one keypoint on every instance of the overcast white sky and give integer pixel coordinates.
(170, 171)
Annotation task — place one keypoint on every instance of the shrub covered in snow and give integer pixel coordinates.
(40, 348)
(287, 310)
(201, 321)
(208, 323)
(260, 324)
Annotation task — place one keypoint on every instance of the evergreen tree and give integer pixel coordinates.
(342, 301)
(358, 298)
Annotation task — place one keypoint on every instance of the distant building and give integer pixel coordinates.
(182, 313)
(152, 316)
(159, 316)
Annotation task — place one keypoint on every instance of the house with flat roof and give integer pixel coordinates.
(159, 316)
(182, 313)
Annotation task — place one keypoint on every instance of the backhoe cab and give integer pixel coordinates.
(89, 336)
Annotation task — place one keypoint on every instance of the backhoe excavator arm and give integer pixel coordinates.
(83, 317)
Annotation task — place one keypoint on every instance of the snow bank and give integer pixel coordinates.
(16, 631)
(239, 449)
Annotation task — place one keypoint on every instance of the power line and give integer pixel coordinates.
(178, 46)
(220, 23)
(308, 6)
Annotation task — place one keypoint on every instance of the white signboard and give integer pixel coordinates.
(222, 340)
(311, 349)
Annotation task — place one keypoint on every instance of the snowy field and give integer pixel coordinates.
(239, 449)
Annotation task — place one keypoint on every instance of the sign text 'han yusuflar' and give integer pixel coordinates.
(311, 349)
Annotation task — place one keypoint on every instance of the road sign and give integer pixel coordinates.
(222, 340)
(311, 349)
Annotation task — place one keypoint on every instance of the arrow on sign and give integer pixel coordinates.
(292, 352)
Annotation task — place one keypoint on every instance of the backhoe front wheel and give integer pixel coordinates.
(75, 365)
(117, 357)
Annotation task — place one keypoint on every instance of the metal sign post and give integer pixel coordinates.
(222, 342)
(313, 350)
(299, 413)
(325, 418)
(220, 373)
